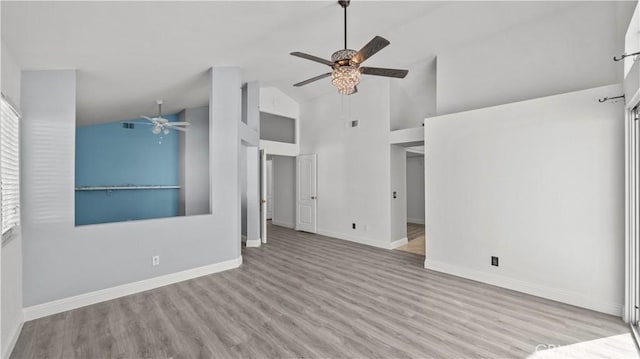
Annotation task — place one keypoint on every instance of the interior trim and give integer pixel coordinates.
(398, 243)
(82, 300)
(13, 339)
(560, 295)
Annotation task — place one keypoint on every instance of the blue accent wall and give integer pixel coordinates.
(111, 155)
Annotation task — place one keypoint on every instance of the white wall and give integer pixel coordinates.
(274, 101)
(11, 317)
(538, 183)
(414, 97)
(284, 191)
(250, 125)
(631, 83)
(353, 163)
(10, 75)
(548, 55)
(194, 162)
(415, 189)
(250, 163)
(61, 260)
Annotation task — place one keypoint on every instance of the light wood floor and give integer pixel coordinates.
(415, 235)
(308, 296)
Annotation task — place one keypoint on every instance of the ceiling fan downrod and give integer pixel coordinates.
(159, 103)
(345, 4)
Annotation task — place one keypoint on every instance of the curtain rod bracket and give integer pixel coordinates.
(605, 99)
(625, 55)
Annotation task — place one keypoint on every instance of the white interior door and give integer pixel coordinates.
(263, 196)
(306, 195)
(269, 189)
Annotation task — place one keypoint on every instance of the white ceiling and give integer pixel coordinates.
(130, 53)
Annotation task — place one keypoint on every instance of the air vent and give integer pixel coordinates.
(128, 125)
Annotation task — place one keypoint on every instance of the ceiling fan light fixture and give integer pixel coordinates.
(165, 131)
(345, 63)
(156, 130)
(346, 78)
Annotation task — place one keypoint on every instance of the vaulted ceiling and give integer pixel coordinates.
(130, 53)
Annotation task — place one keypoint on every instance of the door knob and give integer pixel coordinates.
(263, 201)
(313, 197)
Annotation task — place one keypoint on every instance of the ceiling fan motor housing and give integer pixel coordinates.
(343, 57)
(344, 3)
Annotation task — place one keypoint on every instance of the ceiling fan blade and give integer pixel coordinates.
(312, 79)
(378, 71)
(148, 119)
(312, 58)
(178, 123)
(376, 44)
(178, 128)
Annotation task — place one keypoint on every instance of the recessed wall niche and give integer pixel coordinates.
(126, 171)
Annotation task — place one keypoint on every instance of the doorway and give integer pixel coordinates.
(415, 188)
(250, 210)
(281, 190)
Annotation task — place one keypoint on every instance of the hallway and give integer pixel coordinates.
(415, 235)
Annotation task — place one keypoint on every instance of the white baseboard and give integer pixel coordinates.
(367, 241)
(13, 339)
(282, 224)
(559, 295)
(399, 243)
(82, 300)
(252, 243)
(415, 220)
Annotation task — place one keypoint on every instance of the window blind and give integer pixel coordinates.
(9, 166)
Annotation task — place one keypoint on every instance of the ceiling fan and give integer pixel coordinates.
(346, 62)
(162, 125)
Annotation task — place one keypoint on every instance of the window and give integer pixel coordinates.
(9, 168)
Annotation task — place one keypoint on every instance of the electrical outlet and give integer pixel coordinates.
(494, 261)
(155, 260)
(353, 225)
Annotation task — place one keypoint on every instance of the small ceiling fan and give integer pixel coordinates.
(162, 125)
(346, 62)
